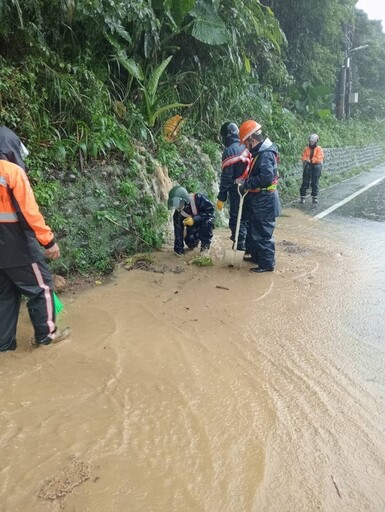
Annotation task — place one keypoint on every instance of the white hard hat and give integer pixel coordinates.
(313, 138)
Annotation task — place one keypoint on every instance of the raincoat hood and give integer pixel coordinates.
(266, 145)
(11, 147)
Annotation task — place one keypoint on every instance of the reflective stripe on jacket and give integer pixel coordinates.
(243, 156)
(20, 218)
(270, 188)
(192, 206)
(235, 164)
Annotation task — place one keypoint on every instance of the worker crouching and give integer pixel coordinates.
(193, 220)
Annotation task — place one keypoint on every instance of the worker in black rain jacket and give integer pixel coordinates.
(193, 220)
(235, 162)
(261, 200)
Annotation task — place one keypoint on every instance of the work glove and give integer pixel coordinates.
(220, 205)
(53, 253)
(188, 222)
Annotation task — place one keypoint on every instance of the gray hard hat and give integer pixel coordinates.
(177, 197)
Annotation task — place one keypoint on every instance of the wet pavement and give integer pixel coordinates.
(360, 224)
(369, 204)
(212, 389)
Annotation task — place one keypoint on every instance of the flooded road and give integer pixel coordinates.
(210, 389)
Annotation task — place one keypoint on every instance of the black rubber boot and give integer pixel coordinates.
(259, 270)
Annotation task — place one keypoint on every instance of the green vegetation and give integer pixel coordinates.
(88, 85)
(139, 257)
(201, 261)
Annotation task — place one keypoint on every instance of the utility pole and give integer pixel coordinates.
(348, 87)
(341, 93)
(345, 75)
(345, 97)
(350, 98)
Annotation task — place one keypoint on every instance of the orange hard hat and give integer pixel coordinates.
(248, 128)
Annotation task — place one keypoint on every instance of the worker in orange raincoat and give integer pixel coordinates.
(312, 158)
(23, 270)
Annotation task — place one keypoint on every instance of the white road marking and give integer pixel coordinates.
(347, 199)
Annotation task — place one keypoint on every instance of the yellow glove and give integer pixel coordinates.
(188, 222)
(220, 205)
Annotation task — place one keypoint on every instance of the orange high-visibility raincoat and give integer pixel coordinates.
(21, 222)
(316, 158)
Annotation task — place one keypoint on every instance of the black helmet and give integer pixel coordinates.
(178, 197)
(229, 129)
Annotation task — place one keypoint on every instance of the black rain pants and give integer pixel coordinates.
(310, 177)
(202, 231)
(260, 210)
(35, 282)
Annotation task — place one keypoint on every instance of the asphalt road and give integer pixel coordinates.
(367, 204)
(359, 225)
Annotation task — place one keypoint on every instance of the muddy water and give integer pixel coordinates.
(207, 389)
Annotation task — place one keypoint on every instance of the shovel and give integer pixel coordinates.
(233, 257)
